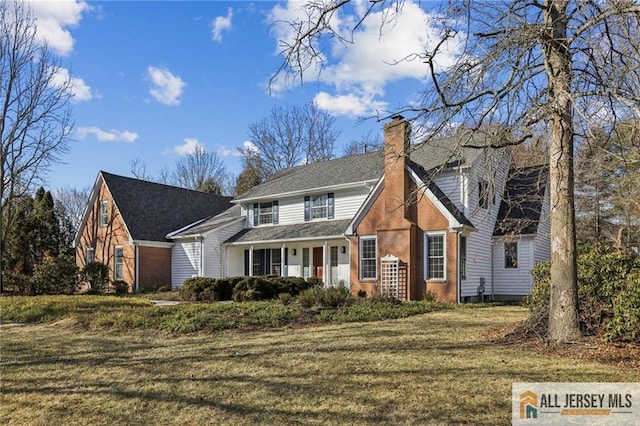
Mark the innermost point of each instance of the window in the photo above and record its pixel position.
(483, 194)
(276, 262)
(368, 259)
(435, 257)
(333, 256)
(305, 263)
(511, 255)
(104, 213)
(463, 258)
(265, 213)
(90, 255)
(319, 206)
(118, 264)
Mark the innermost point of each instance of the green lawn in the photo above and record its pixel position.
(433, 368)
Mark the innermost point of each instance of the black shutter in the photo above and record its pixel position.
(307, 208)
(255, 213)
(330, 204)
(246, 263)
(275, 212)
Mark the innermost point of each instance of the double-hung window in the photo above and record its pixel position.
(118, 264)
(511, 255)
(435, 256)
(319, 206)
(104, 213)
(90, 255)
(265, 213)
(368, 260)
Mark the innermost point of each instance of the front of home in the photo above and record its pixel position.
(399, 222)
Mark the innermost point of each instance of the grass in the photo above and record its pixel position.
(427, 369)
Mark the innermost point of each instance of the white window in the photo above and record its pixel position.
(306, 267)
(90, 255)
(104, 213)
(265, 213)
(276, 262)
(435, 256)
(118, 264)
(319, 206)
(463, 258)
(368, 260)
(511, 255)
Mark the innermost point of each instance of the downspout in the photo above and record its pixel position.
(493, 296)
(458, 272)
(136, 284)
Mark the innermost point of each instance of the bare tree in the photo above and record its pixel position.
(524, 68)
(202, 171)
(70, 203)
(368, 142)
(138, 169)
(34, 105)
(288, 137)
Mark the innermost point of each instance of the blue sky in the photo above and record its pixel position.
(152, 80)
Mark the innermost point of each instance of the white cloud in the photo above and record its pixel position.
(359, 72)
(166, 88)
(250, 147)
(78, 88)
(188, 147)
(220, 24)
(350, 105)
(53, 18)
(223, 151)
(107, 135)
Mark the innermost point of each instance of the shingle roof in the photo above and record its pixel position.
(309, 230)
(357, 168)
(152, 210)
(522, 202)
(198, 228)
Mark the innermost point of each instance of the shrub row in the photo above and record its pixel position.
(241, 289)
(608, 292)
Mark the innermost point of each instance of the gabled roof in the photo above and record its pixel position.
(300, 231)
(356, 169)
(151, 210)
(521, 205)
(208, 224)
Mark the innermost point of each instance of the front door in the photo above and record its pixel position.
(318, 263)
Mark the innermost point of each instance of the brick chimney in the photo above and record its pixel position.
(396, 153)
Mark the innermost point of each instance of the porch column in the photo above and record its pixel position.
(325, 268)
(251, 261)
(283, 268)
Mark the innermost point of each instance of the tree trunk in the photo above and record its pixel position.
(563, 306)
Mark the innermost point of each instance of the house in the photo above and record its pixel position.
(409, 219)
(125, 224)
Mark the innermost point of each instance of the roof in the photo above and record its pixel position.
(306, 231)
(152, 210)
(210, 223)
(521, 205)
(357, 168)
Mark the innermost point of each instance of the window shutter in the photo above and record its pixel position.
(426, 256)
(330, 204)
(246, 263)
(307, 208)
(275, 212)
(255, 213)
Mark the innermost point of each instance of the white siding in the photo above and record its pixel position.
(513, 281)
(291, 209)
(185, 261)
(492, 166)
(451, 183)
(542, 241)
(213, 250)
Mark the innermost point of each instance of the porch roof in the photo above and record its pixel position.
(295, 232)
